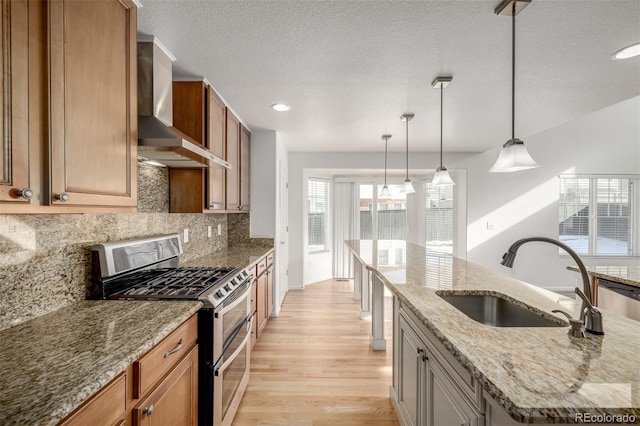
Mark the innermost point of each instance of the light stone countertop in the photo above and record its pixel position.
(538, 375)
(621, 274)
(51, 364)
(242, 256)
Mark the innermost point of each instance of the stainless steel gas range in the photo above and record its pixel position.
(147, 269)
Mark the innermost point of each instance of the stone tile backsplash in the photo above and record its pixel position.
(45, 260)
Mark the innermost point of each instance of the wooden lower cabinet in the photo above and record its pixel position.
(175, 400)
(269, 291)
(160, 388)
(107, 407)
(261, 309)
(425, 392)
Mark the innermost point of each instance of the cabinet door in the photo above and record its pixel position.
(189, 103)
(216, 143)
(93, 110)
(233, 158)
(245, 169)
(175, 400)
(445, 404)
(411, 368)
(269, 291)
(14, 108)
(261, 311)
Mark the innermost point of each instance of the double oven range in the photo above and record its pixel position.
(147, 269)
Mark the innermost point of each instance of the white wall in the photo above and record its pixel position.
(525, 203)
(264, 183)
(301, 161)
(269, 158)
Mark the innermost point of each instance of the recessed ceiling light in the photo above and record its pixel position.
(281, 107)
(627, 52)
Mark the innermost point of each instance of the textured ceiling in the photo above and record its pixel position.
(349, 69)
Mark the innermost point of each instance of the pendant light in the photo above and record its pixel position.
(407, 186)
(513, 156)
(441, 177)
(384, 193)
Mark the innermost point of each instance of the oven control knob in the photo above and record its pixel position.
(219, 294)
(227, 287)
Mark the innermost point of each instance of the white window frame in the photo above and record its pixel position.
(327, 227)
(593, 215)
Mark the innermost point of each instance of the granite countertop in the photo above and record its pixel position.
(243, 256)
(621, 274)
(539, 375)
(51, 364)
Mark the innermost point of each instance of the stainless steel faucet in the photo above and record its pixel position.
(590, 316)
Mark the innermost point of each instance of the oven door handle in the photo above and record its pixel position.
(221, 366)
(237, 330)
(220, 310)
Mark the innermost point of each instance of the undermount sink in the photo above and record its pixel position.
(497, 311)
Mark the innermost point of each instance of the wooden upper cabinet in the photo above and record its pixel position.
(216, 144)
(233, 157)
(93, 109)
(14, 108)
(200, 114)
(245, 168)
(189, 99)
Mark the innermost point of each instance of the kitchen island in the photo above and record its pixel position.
(51, 364)
(505, 374)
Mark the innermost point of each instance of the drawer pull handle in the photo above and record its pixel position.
(174, 350)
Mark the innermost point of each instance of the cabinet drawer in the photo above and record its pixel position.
(106, 407)
(148, 370)
(261, 266)
(270, 259)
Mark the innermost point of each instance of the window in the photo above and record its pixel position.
(596, 214)
(438, 217)
(318, 199)
(390, 214)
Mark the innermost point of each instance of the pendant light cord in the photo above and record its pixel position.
(386, 142)
(407, 133)
(441, 95)
(513, 72)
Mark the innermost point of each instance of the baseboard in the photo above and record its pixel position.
(400, 415)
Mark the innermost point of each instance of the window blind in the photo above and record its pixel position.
(596, 215)
(438, 217)
(318, 198)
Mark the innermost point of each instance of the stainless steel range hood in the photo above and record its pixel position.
(158, 140)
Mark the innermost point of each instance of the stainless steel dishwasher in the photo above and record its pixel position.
(623, 299)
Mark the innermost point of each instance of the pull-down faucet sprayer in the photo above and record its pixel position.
(589, 315)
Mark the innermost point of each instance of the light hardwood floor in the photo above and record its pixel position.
(313, 364)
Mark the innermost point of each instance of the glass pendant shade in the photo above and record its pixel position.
(442, 178)
(385, 193)
(513, 157)
(407, 187)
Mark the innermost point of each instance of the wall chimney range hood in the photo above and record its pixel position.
(158, 140)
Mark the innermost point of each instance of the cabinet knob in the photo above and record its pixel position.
(148, 410)
(63, 197)
(25, 193)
